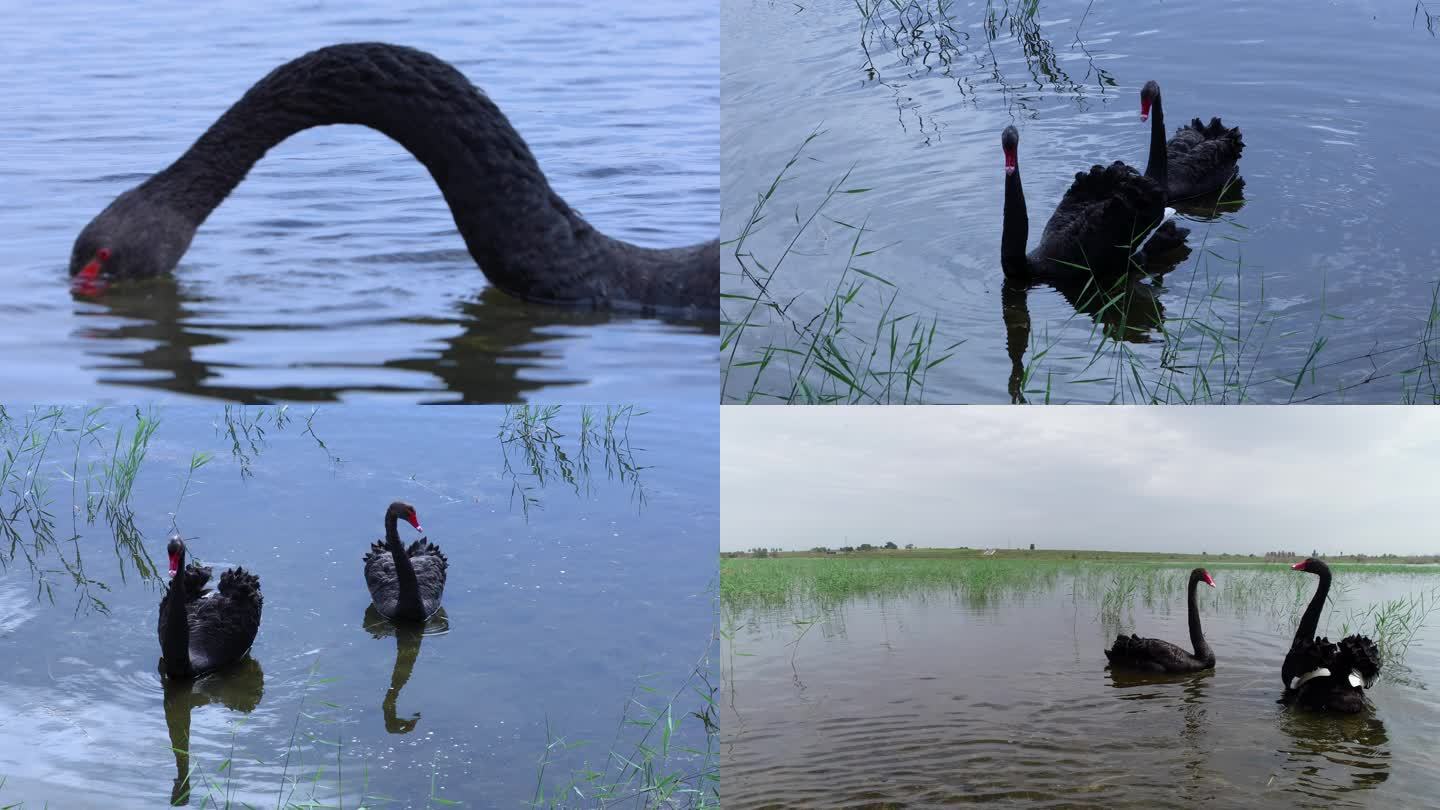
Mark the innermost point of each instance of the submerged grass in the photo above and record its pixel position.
(651, 770)
(856, 349)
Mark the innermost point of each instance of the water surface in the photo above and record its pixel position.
(1333, 243)
(945, 698)
(335, 270)
(550, 621)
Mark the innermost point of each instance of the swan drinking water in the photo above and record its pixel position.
(525, 238)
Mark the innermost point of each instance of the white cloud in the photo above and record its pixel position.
(1249, 479)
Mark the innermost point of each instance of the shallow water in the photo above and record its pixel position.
(335, 270)
(935, 699)
(1333, 240)
(548, 623)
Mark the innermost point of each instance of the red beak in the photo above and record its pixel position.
(174, 564)
(1300, 566)
(1144, 109)
(88, 281)
(1010, 162)
(414, 519)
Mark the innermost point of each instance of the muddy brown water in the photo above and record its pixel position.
(935, 700)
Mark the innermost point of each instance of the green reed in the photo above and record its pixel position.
(1113, 581)
(534, 435)
(105, 459)
(650, 770)
(856, 349)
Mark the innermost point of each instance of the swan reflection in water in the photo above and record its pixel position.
(1125, 308)
(1333, 753)
(408, 636)
(157, 334)
(238, 688)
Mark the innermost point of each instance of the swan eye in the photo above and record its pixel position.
(103, 254)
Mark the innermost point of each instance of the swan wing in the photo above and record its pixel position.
(430, 568)
(380, 578)
(1359, 655)
(224, 624)
(1202, 157)
(1102, 218)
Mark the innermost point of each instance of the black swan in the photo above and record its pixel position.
(1153, 655)
(1198, 161)
(203, 630)
(1319, 674)
(1095, 230)
(405, 583)
(526, 239)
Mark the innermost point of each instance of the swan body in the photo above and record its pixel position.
(1322, 675)
(1198, 161)
(202, 630)
(405, 583)
(1095, 230)
(524, 237)
(1153, 655)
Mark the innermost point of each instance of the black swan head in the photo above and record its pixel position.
(399, 510)
(1149, 94)
(175, 550)
(1203, 576)
(135, 237)
(1311, 565)
(1010, 142)
(525, 238)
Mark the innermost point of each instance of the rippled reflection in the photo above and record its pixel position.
(238, 688)
(157, 334)
(1331, 755)
(407, 648)
(1125, 308)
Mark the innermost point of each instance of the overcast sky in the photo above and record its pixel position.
(1341, 479)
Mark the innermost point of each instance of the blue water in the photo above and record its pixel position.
(553, 620)
(334, 270)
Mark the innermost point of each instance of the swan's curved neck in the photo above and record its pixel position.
(526, 239)
(175, 645)
(1015, 232)
(1310, 620)
(1197, 636)
(409, 596)
(1156, 167)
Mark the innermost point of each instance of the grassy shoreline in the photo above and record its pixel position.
(1092, 555)
(811, 586)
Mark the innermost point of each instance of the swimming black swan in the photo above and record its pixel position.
(1199, 160)
(1319, 674)
(405, 584)
(526, 239)
(1096, 228)
(1153, 655)
(202, 630)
